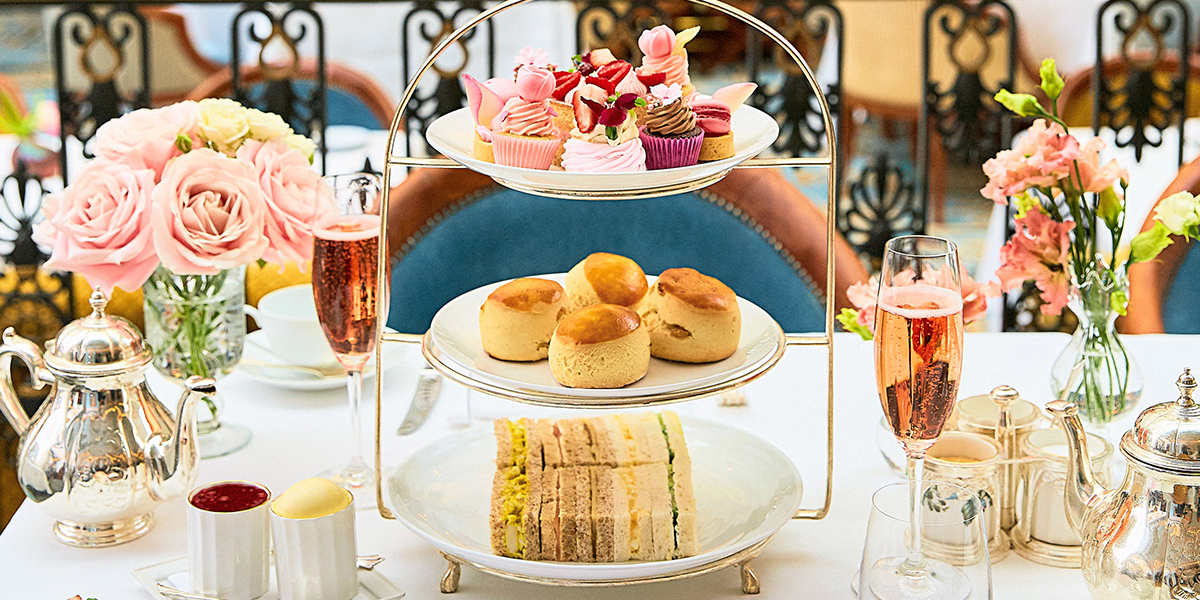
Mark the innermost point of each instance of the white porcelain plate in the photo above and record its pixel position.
(278, 373)
(372, 585)
(746, 489)
(453, 343)
(453, 135)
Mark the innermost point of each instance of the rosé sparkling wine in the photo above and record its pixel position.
(918, 358)
(345, 284)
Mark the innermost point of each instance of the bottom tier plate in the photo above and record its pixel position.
(746, 490)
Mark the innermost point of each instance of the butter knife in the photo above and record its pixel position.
(429, 387)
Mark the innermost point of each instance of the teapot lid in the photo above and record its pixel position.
(99, 343)
(1167, 435)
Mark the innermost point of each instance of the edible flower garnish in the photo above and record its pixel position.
(667, 94)
(613, 112)
(532, 56)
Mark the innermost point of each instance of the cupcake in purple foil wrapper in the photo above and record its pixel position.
(670, 134)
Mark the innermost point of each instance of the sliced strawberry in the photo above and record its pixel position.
(614, 71)
(652, 79)
(585, 117)
(605, 84)
(564, 82)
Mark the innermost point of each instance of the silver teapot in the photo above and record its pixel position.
(1142, 539)
(102, 452)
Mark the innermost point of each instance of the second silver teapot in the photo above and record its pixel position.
(102, 452)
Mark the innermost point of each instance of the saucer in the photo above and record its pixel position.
(371, 584)
(287, 376)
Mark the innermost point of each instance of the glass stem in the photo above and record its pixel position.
(358, 466)
(915, 568)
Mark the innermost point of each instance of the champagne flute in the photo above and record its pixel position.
(345, 284)
(918, 360)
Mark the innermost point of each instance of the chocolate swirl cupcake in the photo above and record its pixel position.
(671, 136)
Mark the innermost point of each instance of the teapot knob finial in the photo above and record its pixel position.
(1004, 395)
(1186, 385)
(98, 302)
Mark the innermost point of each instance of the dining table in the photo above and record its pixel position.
(299, 434)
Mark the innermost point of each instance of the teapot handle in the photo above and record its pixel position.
(29, 353)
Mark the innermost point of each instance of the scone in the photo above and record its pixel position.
(601, 346)
(691, 317)
(604, 278)
(518, 318)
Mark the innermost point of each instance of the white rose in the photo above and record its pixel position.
(303, 144)
(265, 127)
(223, 123)
(1177, 212)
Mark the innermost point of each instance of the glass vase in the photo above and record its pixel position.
(1109, 383)
(196, 325)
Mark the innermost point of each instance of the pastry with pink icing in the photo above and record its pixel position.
(663, 52)
(714, 115)
(526, 136)
(486, 101)
(605, 138)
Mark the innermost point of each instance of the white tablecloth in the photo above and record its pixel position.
(298, 434)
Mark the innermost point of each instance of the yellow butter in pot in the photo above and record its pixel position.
(311, 499)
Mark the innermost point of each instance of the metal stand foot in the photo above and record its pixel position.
(749, 579)
(450, 577)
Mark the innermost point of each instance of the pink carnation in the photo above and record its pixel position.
(1043, 155)
(1039, 250)
(1092, 176)
(208, 214)
(146, 138)
(99, 226)
(295, 195)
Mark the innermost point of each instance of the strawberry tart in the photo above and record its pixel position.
(605, 138)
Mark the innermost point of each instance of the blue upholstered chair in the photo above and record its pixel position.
(1164, 294)
(452, 231)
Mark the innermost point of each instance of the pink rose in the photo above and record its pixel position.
(146, 138)
(99, 226)
(534, 84)
(296, 198)
(1043, 155)
(1094, 178)
(1039, 250)
(657, 42)
(209, 214)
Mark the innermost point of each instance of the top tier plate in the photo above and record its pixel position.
(452, 345)
(753, 131)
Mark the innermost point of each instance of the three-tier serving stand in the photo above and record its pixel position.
(565, 397)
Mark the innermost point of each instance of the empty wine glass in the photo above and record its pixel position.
(954, 545)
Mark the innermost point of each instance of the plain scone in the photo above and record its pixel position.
(691, 317)
(518, 318)
(601, 346)
(604, 278)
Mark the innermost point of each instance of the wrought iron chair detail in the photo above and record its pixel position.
(300, 104)
(1138, 90)
(427, 24)
(882, 203)
(102, 84)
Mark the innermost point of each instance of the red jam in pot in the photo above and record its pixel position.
(229, 497)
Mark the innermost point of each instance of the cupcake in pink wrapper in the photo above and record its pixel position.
(670, 134)
(526, 136)
(663, 52)
(486, 101)
(605, 138)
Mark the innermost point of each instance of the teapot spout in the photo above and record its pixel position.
(1081, 488)
(174, 462)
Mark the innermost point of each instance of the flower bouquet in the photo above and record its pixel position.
(178, 201)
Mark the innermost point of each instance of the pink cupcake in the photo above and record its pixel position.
(526, 136)
(663, 52)
(670, 135)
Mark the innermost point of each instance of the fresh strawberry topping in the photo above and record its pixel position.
(614, 71)
(604, 84)
(564, 82)
(652, 79)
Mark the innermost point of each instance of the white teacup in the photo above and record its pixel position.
(288, 316)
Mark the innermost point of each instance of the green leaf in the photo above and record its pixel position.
(639, 102)
(1024, 105)
(261, 263)
(1052, 82)
(1146, 245)
(610, 133)
(1120, 300)
(1110, 208)
(184, 143)
(849, 320)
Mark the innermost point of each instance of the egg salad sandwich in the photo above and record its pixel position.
(599, 489)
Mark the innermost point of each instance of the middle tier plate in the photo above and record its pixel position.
(452, 345)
